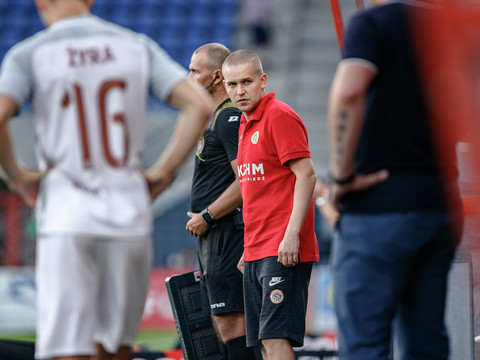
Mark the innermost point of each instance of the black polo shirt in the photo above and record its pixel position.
(216, 149)
(397, 134)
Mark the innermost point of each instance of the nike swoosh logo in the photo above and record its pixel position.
(274, 282)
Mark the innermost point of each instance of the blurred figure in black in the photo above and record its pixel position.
(396, 235)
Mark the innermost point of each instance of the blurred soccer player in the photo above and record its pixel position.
(216, 217)
(396, 236)
(88, 80)
(277, 179)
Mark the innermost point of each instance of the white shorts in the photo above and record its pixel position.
(89, 291)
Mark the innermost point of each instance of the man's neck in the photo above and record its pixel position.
(66, 9)
(219, 97)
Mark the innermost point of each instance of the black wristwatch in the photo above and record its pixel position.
(346, 180)
(207, 216)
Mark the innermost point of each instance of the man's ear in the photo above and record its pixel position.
(263, 80)
(218, 76)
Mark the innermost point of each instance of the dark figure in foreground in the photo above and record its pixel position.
(399, 203)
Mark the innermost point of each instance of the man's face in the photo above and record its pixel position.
(244, 86)
(200, 71)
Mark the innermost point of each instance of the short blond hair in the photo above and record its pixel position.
(243, 57)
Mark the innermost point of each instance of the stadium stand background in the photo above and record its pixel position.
(304, 52)
(179, 26)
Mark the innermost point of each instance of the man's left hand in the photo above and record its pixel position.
(288, 250)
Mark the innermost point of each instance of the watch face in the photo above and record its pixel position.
(207, 216)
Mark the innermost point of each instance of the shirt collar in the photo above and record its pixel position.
(82, 20)
(227, 101)
(258, 112)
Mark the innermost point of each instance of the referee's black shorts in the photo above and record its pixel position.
(221, 283)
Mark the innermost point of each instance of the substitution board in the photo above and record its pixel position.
(194, 326)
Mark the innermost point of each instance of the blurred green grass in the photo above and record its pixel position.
(26, 337)
(157, 340)
(152, 340)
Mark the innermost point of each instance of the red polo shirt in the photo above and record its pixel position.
(274, 135)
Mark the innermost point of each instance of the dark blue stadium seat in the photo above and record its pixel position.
(173, 21)
(104, 9)
(228, 4)
(180, 26)
(202, 21)
(149, 25)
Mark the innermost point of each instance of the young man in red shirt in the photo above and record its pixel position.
(277, 179)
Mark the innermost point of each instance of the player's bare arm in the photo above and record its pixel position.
(8, 161)
(25, 182)
(195, 109)
(228, 201)
(346, 116)
(302, 199)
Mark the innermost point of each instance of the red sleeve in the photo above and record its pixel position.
(290, 137)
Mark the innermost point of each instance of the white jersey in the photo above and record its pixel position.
(88, 80)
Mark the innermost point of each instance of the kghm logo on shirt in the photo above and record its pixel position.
(251, 172)
(250, 169)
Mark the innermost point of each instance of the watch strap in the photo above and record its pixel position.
(344, 181)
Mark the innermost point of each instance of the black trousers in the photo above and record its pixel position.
(17, 350)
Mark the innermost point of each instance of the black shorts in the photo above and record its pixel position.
(221, 283)
(275, 300)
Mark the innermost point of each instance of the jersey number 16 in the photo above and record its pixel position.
(118, 118)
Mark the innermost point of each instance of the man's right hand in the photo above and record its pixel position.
(27, 186)
(241, 264)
